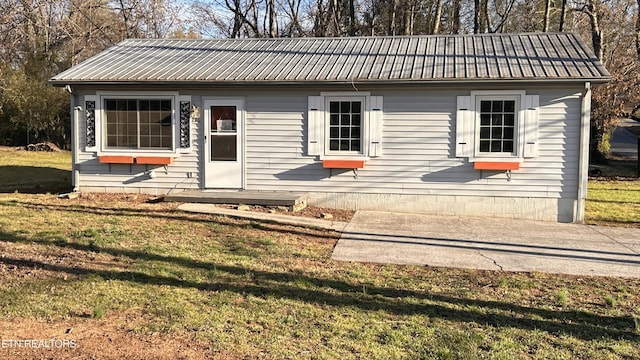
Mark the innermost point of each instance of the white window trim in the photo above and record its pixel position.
(100, 124)
(476, 97)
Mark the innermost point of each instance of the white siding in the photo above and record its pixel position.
(182, 174)
(418, 150)
(418, 143)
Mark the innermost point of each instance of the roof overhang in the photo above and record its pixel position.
(266, 83)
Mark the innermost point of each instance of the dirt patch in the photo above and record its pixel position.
(309, 212)
(112, 337)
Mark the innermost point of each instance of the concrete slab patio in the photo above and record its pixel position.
(471, 242)
(490, 244)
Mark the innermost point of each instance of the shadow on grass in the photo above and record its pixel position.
(173, 215)
(34, 179)
(339, 293)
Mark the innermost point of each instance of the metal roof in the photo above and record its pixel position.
(435, 58)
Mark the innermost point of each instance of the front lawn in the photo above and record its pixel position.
(126, 278)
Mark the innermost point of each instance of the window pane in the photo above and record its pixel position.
(110, 105)
(144, 105)
(223, 148)
(507, 146)
(509, 119)
(345, 125)
(223, 118)
(485, 106)
(508, 133)
(497, 121)
(485, 132)
(136, 124)
(509, 106)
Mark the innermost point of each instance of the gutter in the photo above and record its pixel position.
(407, 82)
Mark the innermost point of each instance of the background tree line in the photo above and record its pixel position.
(39, 39)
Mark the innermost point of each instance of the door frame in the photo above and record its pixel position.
(205, 137)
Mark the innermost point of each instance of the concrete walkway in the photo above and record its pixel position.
(490, 243)
(472, 243)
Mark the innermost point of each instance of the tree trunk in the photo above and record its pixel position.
(320, 24)
(637, 39)
(596, 32)
(547, 11)
(392, 17)
(335, 16)
(455, 29)
(294, 7)
(438, 15)
(476, 17)
(409, 12)
(352, 18)
(563, 14)
(272, 19)
(487, 16)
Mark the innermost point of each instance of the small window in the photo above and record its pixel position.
(138, 124)
(497, 126)
(345, 126)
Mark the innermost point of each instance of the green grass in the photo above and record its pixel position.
(251, 290)
(613, 201)
(27, 171)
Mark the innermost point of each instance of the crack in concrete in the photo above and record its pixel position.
(493, 260)
(614, 240)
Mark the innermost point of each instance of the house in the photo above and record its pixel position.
(492, 124)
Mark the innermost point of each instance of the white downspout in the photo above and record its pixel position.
(75, 148)
(583, 169)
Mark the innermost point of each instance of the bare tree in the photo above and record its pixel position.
(437, 17)
(563, 14)
(477, 20)
(547, 12)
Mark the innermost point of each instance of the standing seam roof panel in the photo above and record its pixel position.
(540, 56)
(278, 61)
(561, 63)
(573, 47)
(218, 65)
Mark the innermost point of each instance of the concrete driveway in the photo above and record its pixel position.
(490, 243)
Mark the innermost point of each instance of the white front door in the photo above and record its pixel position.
(224, 121)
